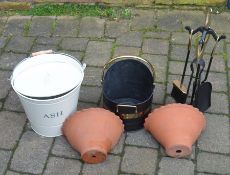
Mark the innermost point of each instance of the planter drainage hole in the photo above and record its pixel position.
(178, 151)
(94, 156)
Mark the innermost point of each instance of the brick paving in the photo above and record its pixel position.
(156, 35)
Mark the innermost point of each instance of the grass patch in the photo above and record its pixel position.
(113, 49)
(73, 10)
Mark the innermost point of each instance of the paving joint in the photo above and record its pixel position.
(167, 68)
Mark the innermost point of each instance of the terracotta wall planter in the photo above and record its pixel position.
(176, 127)
(93, 132)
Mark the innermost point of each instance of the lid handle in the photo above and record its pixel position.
(41, 52)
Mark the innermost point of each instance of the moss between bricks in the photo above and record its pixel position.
(27, 28)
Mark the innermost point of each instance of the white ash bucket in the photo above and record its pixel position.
(48, 86)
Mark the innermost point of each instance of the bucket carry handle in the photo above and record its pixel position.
(41, 52)
(53, 52)
(110, 62)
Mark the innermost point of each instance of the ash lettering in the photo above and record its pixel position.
(54, 115)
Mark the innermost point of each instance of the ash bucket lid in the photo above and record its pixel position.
(47, 75)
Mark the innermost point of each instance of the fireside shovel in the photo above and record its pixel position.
(204, 91)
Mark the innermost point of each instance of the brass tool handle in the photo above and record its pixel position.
(201, 48)
(110, 62)
(208, 17)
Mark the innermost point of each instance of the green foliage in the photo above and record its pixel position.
(73, 10)
(126, 13)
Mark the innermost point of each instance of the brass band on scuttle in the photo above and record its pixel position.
(134, 115)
